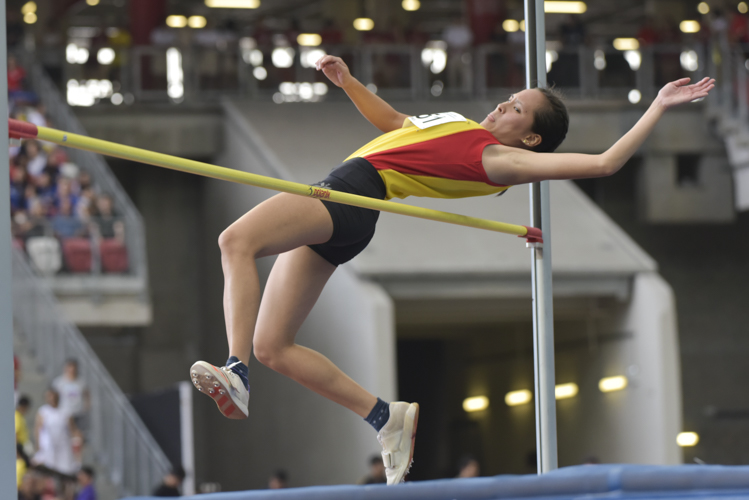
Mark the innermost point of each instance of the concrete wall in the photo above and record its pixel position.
(289, 427)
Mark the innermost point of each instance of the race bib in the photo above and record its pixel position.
(426, 121)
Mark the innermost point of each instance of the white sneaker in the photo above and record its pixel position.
(397, 438)
(224, 387)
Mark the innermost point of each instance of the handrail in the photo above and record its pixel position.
(19, 129)
(121, 442)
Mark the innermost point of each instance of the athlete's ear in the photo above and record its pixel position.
(532, 140)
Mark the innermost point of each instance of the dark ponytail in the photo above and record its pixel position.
(551, 122)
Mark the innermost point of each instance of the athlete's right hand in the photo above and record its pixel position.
(335, 69)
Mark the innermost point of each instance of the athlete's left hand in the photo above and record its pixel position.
(679, 92)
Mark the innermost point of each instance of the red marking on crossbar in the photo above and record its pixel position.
(534, 235)
(21, 130)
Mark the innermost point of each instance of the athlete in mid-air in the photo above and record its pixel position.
(442, 155)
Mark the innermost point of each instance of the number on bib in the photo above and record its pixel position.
(426, 121)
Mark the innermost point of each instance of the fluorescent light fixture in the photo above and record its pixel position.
(175, 87)
(689, 26)
(522, 25)
(282, 57)
(556, 7)
(633, 58)
(29, 18)
(105, 55)
(687, 439)
(689, 60)
(233, 4)
(411, 5)
(476, 403)
(610, 384)
(176, 21)
(92, 2)
(308, 39)
(510, 25)
(634, 96)
(521, 397)
(197, 22)
(564, 391)
(703, 8)
(743, 7)
(260, 73)
(28, 7)
(626, 44)
(363, 24)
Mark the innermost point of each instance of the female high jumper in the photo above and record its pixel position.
(442, 155)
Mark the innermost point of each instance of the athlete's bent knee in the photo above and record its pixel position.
(269, 355)
(233, 243)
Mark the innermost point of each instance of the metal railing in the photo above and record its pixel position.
(399, 71)
(63, 117)
(122, 444)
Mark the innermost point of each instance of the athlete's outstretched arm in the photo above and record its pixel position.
(378, 112)
(505, 165)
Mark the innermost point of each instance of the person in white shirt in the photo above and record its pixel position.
(54, 431)
(74, 397)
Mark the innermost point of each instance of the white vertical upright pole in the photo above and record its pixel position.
(543, 313)
(7, 406)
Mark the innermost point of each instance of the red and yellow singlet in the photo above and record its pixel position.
(436, 156)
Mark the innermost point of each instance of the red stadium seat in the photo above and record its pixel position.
(113, 256)
(76, 252)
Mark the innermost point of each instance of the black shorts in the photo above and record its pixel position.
(353, 227)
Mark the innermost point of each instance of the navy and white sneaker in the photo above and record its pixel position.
(397, 438)
(223, 386)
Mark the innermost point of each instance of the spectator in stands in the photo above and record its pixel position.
(29, 488)
(22, 430)
(16, 75)
(170, 486)
(17, 188)
(22, 465)
(34, 223)
(278, 480)
(74, 396)
(86, 489)
(66, 224)
(110, 226)
(376, 473)
(46, 190)
(468, 466)
(37, 160)
(65, 191)
(54, 430)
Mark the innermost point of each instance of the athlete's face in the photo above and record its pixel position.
(511, 121)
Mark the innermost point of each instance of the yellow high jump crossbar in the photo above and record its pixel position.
(24, 130)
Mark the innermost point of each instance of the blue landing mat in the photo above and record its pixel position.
(639, 482)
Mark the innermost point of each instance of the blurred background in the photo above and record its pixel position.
(117, 276)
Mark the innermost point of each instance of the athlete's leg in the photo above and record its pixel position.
(277, 225)
(294, 285)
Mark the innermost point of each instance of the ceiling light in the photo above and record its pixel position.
(689, 26)
(411, 5)
(510, 25)
(521, 397)
(28, 7)
(703, 8)
(522, 25)
(176, 21)
(92, 2)
(309, 39)
(556, 7)
(196, 22)
(564, 391)
(233, 4)
(363, 24)
(29, 18)
(105, 55)
(687, 439)
(743, 7)
(610, 384)
(634, 96)
(476, 403)
(626, 44)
